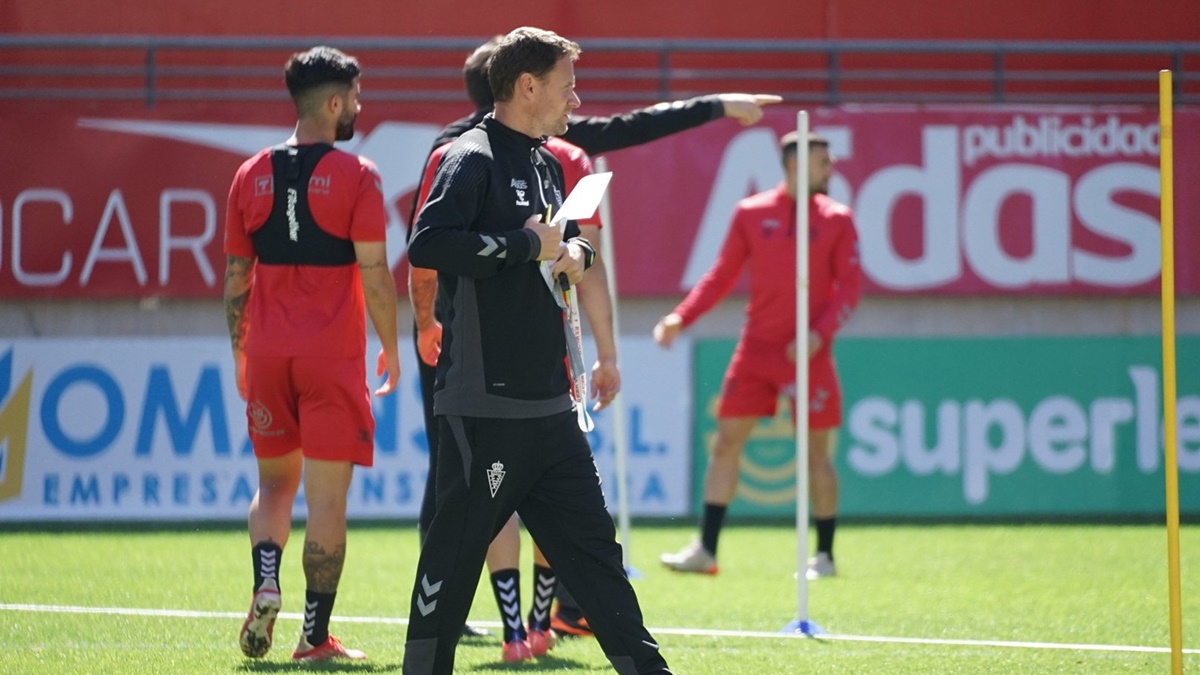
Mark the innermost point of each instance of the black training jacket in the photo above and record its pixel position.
(503, 345)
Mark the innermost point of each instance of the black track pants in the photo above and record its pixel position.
(542, 468)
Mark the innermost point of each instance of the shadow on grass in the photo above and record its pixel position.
(334, 666)
(546, 662)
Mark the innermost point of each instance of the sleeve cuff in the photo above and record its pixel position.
(524, 245)
(716, 107)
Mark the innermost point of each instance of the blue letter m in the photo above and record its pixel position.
(160, 397)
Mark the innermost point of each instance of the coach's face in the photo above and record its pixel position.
(555, 98)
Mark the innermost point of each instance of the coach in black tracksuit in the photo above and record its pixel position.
(508, 436)
(595, 135)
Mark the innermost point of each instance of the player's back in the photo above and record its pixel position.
(306, 304)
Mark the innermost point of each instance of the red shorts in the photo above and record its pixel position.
(320, 405)
(753, 384)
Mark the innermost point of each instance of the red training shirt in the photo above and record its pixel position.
(763, 235)
(307, 310)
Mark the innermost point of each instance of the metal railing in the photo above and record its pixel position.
(819, 72)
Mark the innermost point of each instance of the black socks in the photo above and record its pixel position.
(710, 526)
(543, 595)
(506, 585)
(825, 528)
(317, 609)
(266, 557)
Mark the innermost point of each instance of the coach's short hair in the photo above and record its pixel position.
(791, 140)
(526, 50)
(308, 73)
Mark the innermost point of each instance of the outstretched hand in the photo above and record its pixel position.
(747, 108)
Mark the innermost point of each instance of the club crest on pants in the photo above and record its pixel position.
(495, 476)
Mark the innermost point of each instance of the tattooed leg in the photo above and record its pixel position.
(325, 487)
(323, 567)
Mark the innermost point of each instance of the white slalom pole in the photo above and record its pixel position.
(620, 438)
(802, 624)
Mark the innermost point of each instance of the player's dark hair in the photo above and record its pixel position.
(526, 50)
(791, 140)
(309, 73)
(475, 74)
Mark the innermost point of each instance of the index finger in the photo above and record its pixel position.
(767, 99)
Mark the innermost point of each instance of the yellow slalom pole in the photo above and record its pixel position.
(1167, 198)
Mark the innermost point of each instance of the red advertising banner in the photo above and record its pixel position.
(947, 200)
(121, 201)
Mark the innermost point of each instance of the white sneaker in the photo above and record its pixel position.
(692, 558)
(820, 565)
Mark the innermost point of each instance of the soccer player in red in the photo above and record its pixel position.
(307, 261)
(762, 237)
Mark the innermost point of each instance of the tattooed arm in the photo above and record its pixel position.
(379, 292)
(239, 280)
(422, 293)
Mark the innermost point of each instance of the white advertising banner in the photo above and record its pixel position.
(153, 429)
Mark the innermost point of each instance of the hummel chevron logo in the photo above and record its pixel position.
(542, 600)
(269, 566)
(490, 247)
(495, 477)
(507, 585)
(310, 617)
(429, 590)
(425, 609)
(509, 596)
(514, 622)
(545, 586)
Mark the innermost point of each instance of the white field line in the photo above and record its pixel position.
(693, 632)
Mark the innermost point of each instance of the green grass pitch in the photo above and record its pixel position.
(1079, 594)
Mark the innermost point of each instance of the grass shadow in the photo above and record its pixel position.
(333, 666)
(546, 662)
